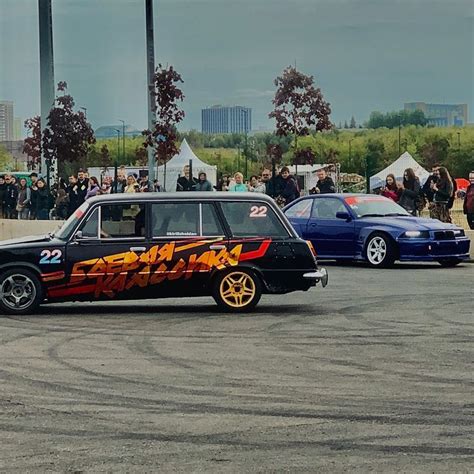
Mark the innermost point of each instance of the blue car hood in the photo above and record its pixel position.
(407, 223)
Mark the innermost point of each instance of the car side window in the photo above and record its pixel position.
(170, 219)
(326, 208)
(90, 228)
(300, 210)
(185, 219)
(211, 226)
(252, 219)
(122, 220)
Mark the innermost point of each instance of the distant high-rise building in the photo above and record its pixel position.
(17, 128)
(6, 120)
(441, 115)
(220, 119)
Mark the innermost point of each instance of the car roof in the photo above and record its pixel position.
(181, 196)
(338, 195)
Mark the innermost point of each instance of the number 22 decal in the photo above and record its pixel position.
(256, 211)
(50, 257)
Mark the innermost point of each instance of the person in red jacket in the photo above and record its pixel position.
(391, 189)
(468, 206)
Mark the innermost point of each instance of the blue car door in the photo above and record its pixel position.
(299, 214)
(331, 236)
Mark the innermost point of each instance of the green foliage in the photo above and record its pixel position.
(380, 147)
(394, 119)
(6, 160)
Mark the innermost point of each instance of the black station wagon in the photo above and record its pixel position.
(232, 246)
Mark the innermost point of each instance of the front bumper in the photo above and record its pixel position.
(434, 249)
(320, 275)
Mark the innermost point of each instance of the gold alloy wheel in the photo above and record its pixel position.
(237, 289)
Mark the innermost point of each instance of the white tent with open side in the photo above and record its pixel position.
(174, 168)
(397, 168)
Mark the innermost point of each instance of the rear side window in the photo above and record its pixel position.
(252, 219)
(188, 219)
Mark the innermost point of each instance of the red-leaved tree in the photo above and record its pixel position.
(299, 106)
(32, 144)
(68, 135)
(166, 92)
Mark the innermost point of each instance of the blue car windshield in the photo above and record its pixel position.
(374, 206)
(65, 231)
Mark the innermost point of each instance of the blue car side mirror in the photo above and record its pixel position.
(343, 215)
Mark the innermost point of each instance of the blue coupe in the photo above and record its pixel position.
(374, 228)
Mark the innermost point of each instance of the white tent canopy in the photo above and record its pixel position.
(397, 168)
(174, 168)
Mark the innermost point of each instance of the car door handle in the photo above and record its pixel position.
(218, 247)
(137, 249)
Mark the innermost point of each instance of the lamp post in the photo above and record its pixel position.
(123, 138)
(350, 151)
(399, 133)
(459, 140)
(245, 111)
(85, 116)
(116, 160)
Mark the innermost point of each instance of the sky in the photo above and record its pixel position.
(364, 54)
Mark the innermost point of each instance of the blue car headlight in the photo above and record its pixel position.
(415, 234)
(459, 233)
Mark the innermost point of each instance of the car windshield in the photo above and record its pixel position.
(375, 206)
(65, 231)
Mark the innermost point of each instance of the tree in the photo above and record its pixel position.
(353, 122)
(345, 124)
(32, 145)
(395, 119)
(67, 135)
(105, 158)
(5, 158)
(298, 106)
(304, 156)
(166, 93)
(141, 156)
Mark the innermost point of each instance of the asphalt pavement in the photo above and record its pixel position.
(373, 373)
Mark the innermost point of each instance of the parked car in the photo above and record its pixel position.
(132, 246)
(375, 229)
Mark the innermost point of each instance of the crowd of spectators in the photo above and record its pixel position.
(32, 199)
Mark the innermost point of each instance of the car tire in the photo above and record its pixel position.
(449, 262)
(380, 250)
(237, 290)
(20, 291)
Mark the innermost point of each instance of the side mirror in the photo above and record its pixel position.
(343, 215)
(78, 235)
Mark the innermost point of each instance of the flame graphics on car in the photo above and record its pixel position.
(170, 261)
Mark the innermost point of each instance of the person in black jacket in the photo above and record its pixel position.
(3, 188)
(410, 191)
(43, 201)
(82, 186)
(186, 182)
(443, 190)
(325, 184)
(286, 187)
(432, 178)
(33, 194)
(10, 197)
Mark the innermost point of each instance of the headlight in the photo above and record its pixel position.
(459, 233)
(416, 234)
